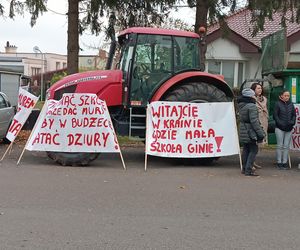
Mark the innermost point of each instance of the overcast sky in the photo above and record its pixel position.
(49, 33)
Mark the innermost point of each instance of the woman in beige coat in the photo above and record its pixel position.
(263, 114)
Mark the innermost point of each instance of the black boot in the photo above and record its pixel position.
(280, 166)
(251, 174)
(285, 166)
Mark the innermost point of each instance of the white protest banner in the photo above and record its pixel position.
(295, 142)
(191, 130)
(75, 123)
(26, 102)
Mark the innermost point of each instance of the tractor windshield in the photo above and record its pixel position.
(148, 60)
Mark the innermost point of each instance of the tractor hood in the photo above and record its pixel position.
(107, 84)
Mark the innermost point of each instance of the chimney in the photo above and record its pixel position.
(10, 48)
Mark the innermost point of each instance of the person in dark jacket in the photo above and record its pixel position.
(251, 131)
(285, 119)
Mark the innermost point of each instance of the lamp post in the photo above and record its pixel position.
(36, 49)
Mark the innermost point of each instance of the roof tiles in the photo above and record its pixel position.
(240, 22)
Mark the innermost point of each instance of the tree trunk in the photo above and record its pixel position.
(201, 21)
(201, 14)
(73, 36)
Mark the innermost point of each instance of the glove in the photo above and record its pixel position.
(260, 139)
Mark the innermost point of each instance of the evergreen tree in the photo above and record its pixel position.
(33, 7)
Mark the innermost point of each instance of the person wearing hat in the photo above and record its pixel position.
(250, 131)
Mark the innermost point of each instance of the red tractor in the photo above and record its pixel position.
(155, 65)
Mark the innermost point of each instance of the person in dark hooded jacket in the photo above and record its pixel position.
(251, 131)
(285, 119)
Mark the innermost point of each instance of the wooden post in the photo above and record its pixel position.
(10, 145)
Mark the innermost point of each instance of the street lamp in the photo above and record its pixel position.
(36, 49)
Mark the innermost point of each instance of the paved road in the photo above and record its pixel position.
(171, 206)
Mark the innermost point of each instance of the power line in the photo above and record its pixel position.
(55, 12)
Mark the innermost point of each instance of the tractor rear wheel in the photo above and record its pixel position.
(197, 92)
(72, 159)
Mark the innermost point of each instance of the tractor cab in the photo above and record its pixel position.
(151, 56)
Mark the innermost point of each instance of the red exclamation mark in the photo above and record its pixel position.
(219, 140)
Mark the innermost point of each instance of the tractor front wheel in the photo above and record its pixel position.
(72, 159)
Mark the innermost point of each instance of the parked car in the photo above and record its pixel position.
(7, 113)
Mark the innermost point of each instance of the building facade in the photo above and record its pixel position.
(236, 54)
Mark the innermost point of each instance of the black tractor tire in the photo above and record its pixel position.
(197, 92)
(72, 159)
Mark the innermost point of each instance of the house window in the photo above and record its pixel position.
(240, 73)
(214, 67)
(232, 71)
(228, 72)
(57, 65)
(35, 71)
(64, 65)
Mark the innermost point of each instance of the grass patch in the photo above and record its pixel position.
(270, 146)
(126, 141)
(39, 105)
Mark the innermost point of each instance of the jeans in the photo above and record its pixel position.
(248, 156)
(283, 139)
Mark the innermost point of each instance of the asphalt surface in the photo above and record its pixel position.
(171, 206)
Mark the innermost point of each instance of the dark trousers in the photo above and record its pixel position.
(248, 156)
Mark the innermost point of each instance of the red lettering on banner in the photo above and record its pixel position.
(105, 137)
(110, 125)
(86, 100)
(91, 122)
(62, 123)
(199, 134)
(25, 101)
(200, 148)
(46, 138)
(166, 148)
(97, 139)
(180, 123)
(296, 130)
(92, 111)
(48, 123)
(156, 124)
(180, 111)
(15, 127)
(164, 134)
(70, 111)
(62, 111)
(296, 141)
(67, 100)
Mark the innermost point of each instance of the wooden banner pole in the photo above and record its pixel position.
(113, 129)
(146, 158)
(146, 155)
(10, 148)
(21, 155)
(29, 138)
(237, 141)
(122, 160)
(10, 145)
